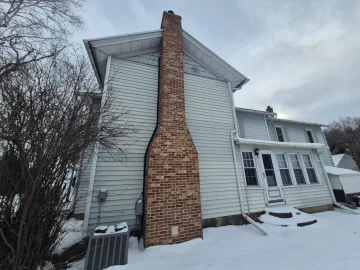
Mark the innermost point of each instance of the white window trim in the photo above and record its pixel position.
(282, 131)
(292, 176)
(258, 186)
(301, 166)
(312, 134)
(314, 167)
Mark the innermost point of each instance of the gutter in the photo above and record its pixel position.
(331, 191)
(240, 85)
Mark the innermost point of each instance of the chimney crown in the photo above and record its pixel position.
(269, 109)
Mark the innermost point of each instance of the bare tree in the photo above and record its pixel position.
(343, 136)
(31, 30)
(50, 112)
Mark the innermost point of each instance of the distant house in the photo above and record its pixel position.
(344, 161)
(197, 161)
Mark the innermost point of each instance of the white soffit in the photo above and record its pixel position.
(120, 46)
(140, 43)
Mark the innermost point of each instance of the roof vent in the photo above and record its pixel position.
(170, 11)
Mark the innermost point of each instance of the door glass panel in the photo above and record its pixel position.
(269, 170)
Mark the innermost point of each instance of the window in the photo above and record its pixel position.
(310, 136)
(280, 134)
(310, 169)
(250, 170)
(284, 170)
(299, 175)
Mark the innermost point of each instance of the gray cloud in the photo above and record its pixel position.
(302, 57)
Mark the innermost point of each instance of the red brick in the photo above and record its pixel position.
(172, 191)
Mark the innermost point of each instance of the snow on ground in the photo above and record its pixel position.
(331, 244)
(79, 265)
(72, 234)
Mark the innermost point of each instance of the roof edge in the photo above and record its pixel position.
(278, 119)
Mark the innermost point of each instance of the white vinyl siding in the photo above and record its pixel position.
(210, 120)
(252, 126)
(135, 87)
(307, 195)
(297, 133)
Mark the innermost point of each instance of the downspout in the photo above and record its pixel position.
(267, 128)
(147, 150)
(246, 217)
(77, 175)
(330, 189)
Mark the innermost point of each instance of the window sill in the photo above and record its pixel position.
(305, 185)
(254, 188)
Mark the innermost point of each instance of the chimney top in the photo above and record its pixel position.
(269, 109)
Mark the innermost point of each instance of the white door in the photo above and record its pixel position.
(272, 178)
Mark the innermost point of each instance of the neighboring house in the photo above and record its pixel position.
(344, 161)
(197, 160)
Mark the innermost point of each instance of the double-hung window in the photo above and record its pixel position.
(310, 169)
(299, 175)
(280, 134)
(250, 169)
(284, 169)
(310, 136)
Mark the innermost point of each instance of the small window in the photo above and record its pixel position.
(280, 134)
(250, 170)
(310, 136)
(310, 169)
(284, 170)
(299, 175)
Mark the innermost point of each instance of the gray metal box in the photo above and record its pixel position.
(107, 250)
(139, 207)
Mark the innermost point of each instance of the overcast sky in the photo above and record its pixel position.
(302, 57)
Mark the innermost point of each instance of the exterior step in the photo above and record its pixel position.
(281, 215)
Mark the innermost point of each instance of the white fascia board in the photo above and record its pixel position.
(104, 41)
(281, 144)
(92, 60)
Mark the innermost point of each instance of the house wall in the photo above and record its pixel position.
(135, 88)
(347, 163)
(301, 196)
(335, 181)
(210, 120)
(208, 115)
(252, 126)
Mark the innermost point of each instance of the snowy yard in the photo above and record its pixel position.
(332, 243)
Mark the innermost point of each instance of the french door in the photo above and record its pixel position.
(271, 178)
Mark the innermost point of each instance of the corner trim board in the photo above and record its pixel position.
(94, 162)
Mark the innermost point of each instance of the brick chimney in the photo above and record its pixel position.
(269, 109)
(172, 187)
